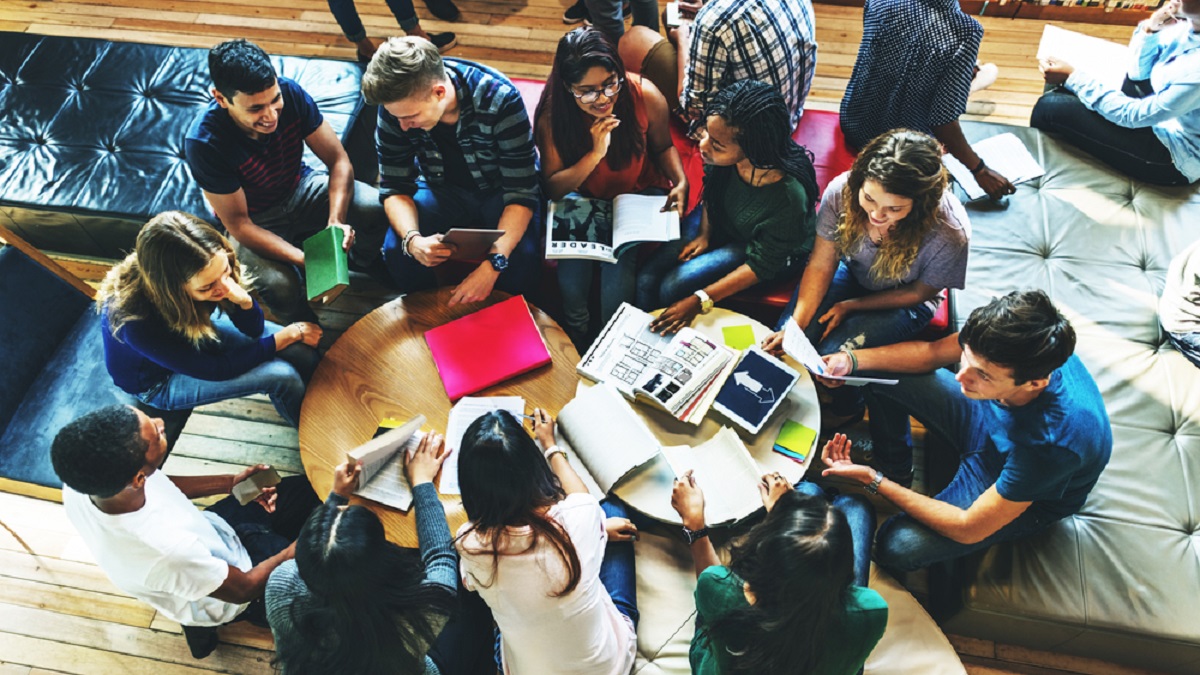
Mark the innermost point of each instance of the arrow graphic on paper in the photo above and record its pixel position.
(764, 395)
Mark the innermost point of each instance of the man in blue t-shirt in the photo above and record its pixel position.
(246, 152)
(1023, 412)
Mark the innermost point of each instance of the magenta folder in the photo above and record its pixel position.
(487, 347)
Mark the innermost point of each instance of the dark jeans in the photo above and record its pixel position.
(936, 400)
(443, 207)
(1135, 152)
(266, 534)
(347, 17)
(860, 516)
(609, 16)
(462, 648)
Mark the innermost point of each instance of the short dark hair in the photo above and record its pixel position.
(99, 453)
(1023, 331)
(238, 65)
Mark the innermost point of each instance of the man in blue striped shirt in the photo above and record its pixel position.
(772, 41)
(455, 150)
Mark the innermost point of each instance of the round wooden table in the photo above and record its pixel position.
(381, 367)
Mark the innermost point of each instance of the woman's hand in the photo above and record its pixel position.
(620, 529)
(236, 294)
(688, 501)
(1163, 16)
(310, 333)
(772, 487)
(345, 478)
(835, 316)
(837, 363)
(425, 461)
(677, 199)
(602, 130)
(694, 248)
(676, 316)
(1055, 70)
(836, 456)
(543, 428)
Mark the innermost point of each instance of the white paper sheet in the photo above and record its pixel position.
(797, 346)
(607, 436)
(467, 410)
(389, 485)
(1104, 60)
(1005, 154)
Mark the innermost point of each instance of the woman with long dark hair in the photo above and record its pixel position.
(793, 598)
(890, 236)
(757, 218)
(603, 133)
(544, 554)
(353, 602)
(181, 330)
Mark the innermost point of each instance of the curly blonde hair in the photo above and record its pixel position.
(906, 163)
(170, 250)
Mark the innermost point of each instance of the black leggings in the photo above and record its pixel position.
(1135, 152)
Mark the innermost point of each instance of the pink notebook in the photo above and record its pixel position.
(487, 347)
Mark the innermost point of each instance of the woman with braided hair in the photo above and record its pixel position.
(890, 236)
(757, 220)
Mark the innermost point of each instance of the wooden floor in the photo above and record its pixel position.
(58, 612)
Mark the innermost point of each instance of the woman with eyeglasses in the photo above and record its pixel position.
(602, 133)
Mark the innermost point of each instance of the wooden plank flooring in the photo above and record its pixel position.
(58, 612)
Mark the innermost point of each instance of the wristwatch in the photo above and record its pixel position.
(873, 486)
(693, 536)
(706, 303)
(499, 261)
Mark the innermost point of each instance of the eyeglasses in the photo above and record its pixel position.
(609, 91)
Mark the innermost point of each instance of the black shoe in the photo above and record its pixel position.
(201, 640)
(576, 13)
(443, 41)
(445, 10)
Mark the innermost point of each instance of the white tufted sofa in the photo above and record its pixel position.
(1120, 581)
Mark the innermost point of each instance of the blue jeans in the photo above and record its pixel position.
(346, 15)
(857, 331)
(860, 516)
(903, 544)
(441, 208)
(283, 378)
(1188, 344)
(609, 16)
(617, 572)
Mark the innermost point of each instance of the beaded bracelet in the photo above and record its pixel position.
(412, 234)
(853, 361)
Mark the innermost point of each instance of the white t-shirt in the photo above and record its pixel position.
(1179, 308)
(168, 553)
(580, 633)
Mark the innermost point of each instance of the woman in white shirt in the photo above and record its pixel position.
(543, 553)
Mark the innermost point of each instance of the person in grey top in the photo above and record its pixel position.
(890, 237)
(352, 602)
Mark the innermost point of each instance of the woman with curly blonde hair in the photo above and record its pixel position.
(180, 330)
(890, 236)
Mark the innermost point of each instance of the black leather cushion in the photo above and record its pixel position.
(91, 134)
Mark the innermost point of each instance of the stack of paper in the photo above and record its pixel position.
(382, 477)
(797, 345)
(1005, 154)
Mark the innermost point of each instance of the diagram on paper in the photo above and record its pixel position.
(639, 354)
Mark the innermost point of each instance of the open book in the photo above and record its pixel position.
(678, 373)
(612, 443)
(797, 345)
(1104, 60)
(597, 229)
(382, 478)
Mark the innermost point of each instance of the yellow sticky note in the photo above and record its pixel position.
(738, 337)
(796, 437)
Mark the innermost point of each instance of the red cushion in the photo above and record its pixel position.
(820, 132)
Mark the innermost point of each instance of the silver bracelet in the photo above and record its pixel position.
(412, 234)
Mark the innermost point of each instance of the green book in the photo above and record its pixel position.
(326, 269)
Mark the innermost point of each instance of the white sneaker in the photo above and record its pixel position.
(985, 76)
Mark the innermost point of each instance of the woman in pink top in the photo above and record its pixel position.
(543, 554)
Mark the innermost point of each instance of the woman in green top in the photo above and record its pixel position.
(757, 221)
(793, 598)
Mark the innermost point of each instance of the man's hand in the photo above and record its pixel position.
(835, 316)
(837, 363)
(688, 501)
(620, 529)
(676, 316)
(836, 456)
(1055, 70)
(602, 129)
(694, 248)
(772, 487)
(677, 199)
(268, 496)
(477, 286)
(345, 478)
(236, 294)
(347, 235)
(429, 251)
(425, 461)
(543, 428)
(994, 184)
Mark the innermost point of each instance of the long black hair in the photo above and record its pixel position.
(370, 611)
(579, 51)
(763, 129)
(799, 565)
(506, 482)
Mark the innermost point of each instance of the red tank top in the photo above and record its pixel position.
(605, 182)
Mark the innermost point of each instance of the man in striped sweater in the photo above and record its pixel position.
(455, 150)
(246, 152)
